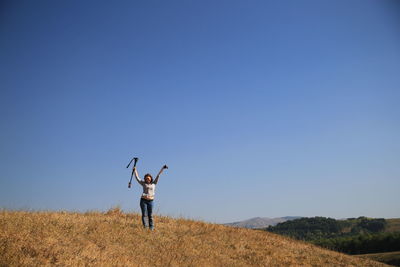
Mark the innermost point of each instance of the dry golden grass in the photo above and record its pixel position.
(118, 239)
(393, 225)
(392, 258)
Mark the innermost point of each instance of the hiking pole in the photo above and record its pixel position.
(133, 169)
(130, 162)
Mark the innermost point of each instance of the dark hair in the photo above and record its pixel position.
(148, 175)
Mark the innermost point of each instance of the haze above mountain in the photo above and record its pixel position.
(261, 222)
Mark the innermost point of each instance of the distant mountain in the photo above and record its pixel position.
(261, 222)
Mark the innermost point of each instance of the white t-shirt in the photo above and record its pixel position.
(148, 190)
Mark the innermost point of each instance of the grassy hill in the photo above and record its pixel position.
(393, 225)
(392, 258)
(117, 239)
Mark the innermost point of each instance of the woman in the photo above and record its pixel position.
(147, 198)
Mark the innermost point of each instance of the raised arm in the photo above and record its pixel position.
(159, 173)
(137, 176)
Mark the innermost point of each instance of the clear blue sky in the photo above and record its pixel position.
(260, 108)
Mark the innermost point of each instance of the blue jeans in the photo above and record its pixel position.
(147, 209)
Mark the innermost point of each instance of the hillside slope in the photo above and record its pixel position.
(115, 238)
(393, 225)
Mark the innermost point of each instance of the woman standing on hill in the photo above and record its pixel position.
(147, 198)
